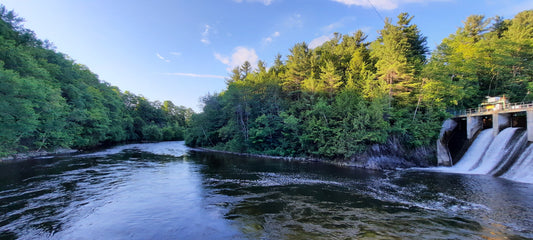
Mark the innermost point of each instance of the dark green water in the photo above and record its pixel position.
(165, 191)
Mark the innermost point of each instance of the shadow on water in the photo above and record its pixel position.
(38, 194)
(280, 199)
(129, 193)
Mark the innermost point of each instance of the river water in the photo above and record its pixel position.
(166, 191)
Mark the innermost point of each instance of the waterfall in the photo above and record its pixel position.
(522, 170)
(476, 151)
(505, 155)
(497, 151)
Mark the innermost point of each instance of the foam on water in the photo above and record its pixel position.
(504, 155)
(475, 152)
(495, 152)
(522, 170)
(172, 148)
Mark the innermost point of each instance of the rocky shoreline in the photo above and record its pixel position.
(391, 155)
(37, 154)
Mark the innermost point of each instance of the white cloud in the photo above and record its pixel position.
(205, 35)
(265, 2)
(339, 24)
(317, 42)
(382, 4)
(222, 59)
(175, 53)
(267, 40)
(194, 75)
(270, 38)
(295, 21)
(239, 56)
(161, 57)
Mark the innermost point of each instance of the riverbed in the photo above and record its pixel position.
(166, 191)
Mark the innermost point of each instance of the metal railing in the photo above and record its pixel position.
(480, 110)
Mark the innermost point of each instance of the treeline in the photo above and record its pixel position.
(47, 100)
(337, 100)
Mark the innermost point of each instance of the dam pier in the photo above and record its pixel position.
(477, 118)
(495, 114)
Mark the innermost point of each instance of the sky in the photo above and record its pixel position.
(182, 50)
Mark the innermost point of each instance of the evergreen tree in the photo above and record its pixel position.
(400, 52)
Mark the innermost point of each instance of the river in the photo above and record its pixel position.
(166, 191)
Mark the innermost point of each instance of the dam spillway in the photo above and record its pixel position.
(495, 139)
(508, 155)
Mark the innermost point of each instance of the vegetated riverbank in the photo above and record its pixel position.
(23, 156)
(50, 101)
(38, 154)
(391, 155)
(373, 104)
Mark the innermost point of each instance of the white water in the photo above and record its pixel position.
(171, 148)
(490, 155)
(496, 152)
(476, 151)
(522, 170)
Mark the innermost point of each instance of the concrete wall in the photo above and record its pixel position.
(530, 125)
(473, 125)
(443, 153)
(500, 121)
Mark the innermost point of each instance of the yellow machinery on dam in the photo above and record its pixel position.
(497, 113)
(494, 103)
(499, 110)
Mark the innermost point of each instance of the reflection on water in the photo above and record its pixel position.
(162, 191)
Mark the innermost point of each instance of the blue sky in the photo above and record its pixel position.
(180, 50)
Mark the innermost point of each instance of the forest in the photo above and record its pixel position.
(339, 99)
(333, 101)
(49, 101)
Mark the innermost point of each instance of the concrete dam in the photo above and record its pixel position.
(494, 139)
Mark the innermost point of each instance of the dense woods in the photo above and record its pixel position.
(334, 101)
(47, 100)
(338, 99)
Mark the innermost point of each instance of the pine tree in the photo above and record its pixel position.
(298, 66)
(400, 54)
(330, 78)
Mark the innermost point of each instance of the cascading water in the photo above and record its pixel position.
(505, 155)
(497, 150)
(476, 151)
(522, 170)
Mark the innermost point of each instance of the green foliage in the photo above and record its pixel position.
(338, 99)
(49, 101)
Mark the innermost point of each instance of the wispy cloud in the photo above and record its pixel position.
(338, 24)
(205, 35)
(383, 4)
(513, 9)
(317, 42)
(238, 57)
(295, 20)
(162, 58)
(270, 38)
(265, 2)
(175, 53)
(194, 75)
(222, 59)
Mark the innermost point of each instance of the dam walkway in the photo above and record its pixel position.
(499, 118)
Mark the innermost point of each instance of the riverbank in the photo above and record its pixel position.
(391, 155)
(65, 151)
(37, 154)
